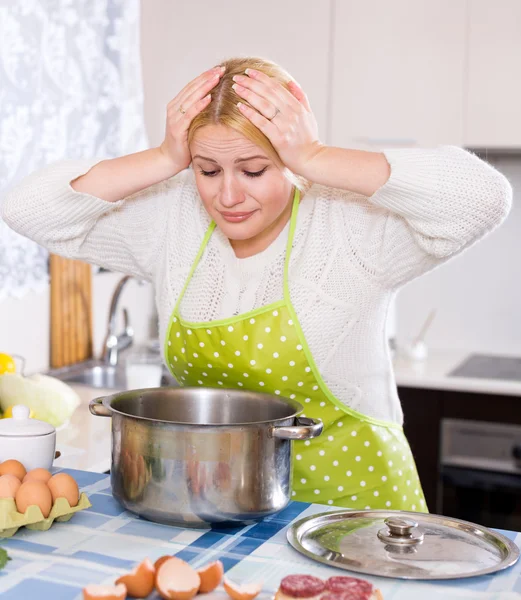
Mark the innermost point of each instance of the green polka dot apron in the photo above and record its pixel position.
(358, 461)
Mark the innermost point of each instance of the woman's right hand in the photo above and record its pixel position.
(118, 178)
(181, 111)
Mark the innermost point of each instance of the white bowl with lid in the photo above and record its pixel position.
(29, 441)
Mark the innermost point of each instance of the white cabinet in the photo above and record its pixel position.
(379, 73)
(181, 39)
(493, 106)
(397, 77)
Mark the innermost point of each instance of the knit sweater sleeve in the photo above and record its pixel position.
(124, 236)
(436, 203)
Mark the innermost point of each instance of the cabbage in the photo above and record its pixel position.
(49, 398)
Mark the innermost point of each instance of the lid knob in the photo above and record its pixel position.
(402, 532)
(400, 526)
(20, 411)
(21, 424)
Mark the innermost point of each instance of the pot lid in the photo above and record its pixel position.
(21, 425)
(404, 545)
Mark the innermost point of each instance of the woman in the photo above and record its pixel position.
(275, 258)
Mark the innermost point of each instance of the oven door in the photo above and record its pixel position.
(480, 473)
(485, 497)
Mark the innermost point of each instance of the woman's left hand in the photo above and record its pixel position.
(285, 118)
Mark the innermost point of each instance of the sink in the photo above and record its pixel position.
(99, 375)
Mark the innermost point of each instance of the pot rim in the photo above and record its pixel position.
(296, 406)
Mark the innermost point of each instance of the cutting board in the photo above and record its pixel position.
(71, 311)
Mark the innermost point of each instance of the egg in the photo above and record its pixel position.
(211, 576)
(242, 592)
(13, 467)
(9, 485)
(177, 580)
(38, 475)
(107, 592)
(34, 493)
(63, 485)
(161, 560)
(140, 581)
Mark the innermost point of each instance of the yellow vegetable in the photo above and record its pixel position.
(8, 414)
(6, 364)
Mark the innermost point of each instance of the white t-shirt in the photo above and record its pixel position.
(350, 254)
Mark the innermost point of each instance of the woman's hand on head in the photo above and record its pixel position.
(285, 117)
(181, 111)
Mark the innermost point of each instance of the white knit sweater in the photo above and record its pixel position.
(350, 253)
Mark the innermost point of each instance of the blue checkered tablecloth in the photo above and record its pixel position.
(100, 544)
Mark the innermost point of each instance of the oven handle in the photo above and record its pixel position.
(463, 477)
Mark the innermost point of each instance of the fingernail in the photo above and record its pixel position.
(240, 105)
(250, 72)
(235, 86)
(237, 78)
(222, 69)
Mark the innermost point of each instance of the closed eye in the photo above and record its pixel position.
(255, 173)
(208, 173)
(247, 173)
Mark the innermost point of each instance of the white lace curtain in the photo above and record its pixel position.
(70, 87)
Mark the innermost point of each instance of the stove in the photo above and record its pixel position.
(489, 366)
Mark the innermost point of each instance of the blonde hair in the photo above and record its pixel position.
(223, 110)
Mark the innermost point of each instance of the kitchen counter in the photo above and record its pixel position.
(85, 443)
(100, 544)
(433, 374)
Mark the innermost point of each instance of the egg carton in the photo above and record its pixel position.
(11, 520)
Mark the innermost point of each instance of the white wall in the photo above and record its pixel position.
(25, 327)
(137, 298)
(180, 41)
(478, 294)
(25, 322)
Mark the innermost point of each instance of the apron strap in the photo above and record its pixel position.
(289, 247)
(202, 248)
(210, 230)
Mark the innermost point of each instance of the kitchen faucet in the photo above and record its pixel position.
(116, 343)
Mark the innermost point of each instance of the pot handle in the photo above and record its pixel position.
(98, 409)
(305, 429)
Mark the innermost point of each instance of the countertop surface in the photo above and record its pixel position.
(100, 544)
(85, 443)
(433, 373)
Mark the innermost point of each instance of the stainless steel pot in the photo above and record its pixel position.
(195, 456)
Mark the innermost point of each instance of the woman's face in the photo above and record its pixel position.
(244, 191)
